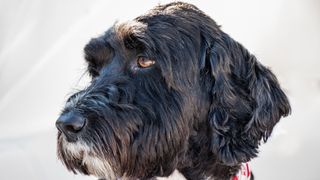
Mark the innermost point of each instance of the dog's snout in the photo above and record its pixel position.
(70, 123)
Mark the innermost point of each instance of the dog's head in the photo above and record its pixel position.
(155, 81)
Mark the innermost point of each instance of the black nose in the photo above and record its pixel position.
(70, 123)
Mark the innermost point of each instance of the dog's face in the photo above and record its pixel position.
(156, 82)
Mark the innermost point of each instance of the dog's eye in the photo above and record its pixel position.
(144, 62)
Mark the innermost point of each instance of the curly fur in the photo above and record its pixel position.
(202, 108)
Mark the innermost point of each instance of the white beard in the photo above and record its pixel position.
(97, 167)
(94, 165)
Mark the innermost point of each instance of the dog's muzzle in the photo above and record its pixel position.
(70, 124)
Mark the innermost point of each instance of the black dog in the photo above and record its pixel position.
(169, 91)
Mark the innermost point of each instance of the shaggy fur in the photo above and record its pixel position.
(202, 108)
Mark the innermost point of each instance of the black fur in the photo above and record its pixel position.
(202, 108)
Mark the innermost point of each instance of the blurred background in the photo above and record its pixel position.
(41, 63)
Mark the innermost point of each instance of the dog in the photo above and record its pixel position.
(169, 91)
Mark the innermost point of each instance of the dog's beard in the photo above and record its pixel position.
(80, 156)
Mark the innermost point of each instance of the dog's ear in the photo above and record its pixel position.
(246, 99)
(97, 54)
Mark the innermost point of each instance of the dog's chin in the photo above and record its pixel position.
(84, 159)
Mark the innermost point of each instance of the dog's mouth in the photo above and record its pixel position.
(79, 157)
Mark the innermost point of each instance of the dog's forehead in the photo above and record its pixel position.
(126, 29)
(162, 19)
(160, 34)
(114, 39)
(165, 16)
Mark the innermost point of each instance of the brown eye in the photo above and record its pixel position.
(144, 62)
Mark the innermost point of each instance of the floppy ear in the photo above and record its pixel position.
(246, 100)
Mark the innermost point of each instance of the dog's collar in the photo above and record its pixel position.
(244, 173)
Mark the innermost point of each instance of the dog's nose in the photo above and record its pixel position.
(70, 123)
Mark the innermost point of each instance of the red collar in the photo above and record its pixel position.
(244, 173)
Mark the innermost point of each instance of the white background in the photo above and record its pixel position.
(41, 63)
